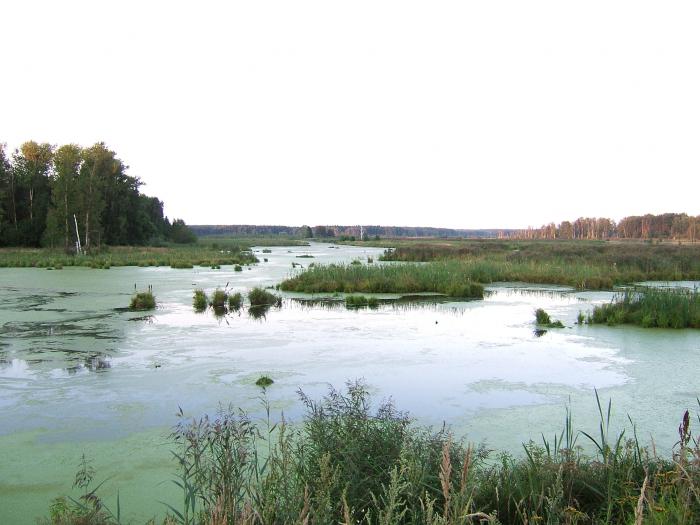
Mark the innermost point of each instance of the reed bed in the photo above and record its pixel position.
(449, 278)
(346, 462)
(651, 308)
(583, 264)
(175, 256)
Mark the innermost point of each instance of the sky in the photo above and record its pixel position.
(490, 114)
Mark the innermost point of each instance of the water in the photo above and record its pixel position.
(78, 374)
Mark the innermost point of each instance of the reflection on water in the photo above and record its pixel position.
(80, 372)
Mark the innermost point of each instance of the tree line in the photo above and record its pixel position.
(52, 196)
(675, 226)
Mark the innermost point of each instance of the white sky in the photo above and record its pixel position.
(455, 114)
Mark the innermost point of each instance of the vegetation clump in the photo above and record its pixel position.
(200, 301)
(143, 301)
(238, 268)
(651, 308)
(219, 299)
(264, 382)
(235, 301)
(261, 297)
(542, 318)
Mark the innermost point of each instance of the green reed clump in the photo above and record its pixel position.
(143, 301)
(235, 301)
(200, 301)
(218, 299)
(238, 268)
(261, 297)
(651, 308)
(264, 381)
(347, 462)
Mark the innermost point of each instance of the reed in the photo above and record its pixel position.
(449, 278)
(351, 460)
(200, 301)
(651, 308)
(143, 301)
(261, 297)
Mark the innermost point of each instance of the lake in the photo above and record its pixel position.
(79, 374)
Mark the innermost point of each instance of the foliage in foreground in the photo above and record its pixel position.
(348, 463)
(651, 308)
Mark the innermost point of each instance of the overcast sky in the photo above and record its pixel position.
(456, 114)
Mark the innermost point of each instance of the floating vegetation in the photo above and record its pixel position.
(542, 318)
(264, 382)
(267, 250)
(305, 256)
(143, 301)
(238, 268)
(200, 301)
(651, 308)
(215, 267)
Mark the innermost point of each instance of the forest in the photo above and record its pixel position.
(675, 226)
(48, 192)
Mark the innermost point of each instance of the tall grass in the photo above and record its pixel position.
(582, 264)
(261, 297)
(448, 278)
(175, 256)
(351, 460)
(651, 308)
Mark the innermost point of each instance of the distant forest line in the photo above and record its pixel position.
(668, 226)
(48, 192)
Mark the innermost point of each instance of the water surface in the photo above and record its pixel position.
(78, 374)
